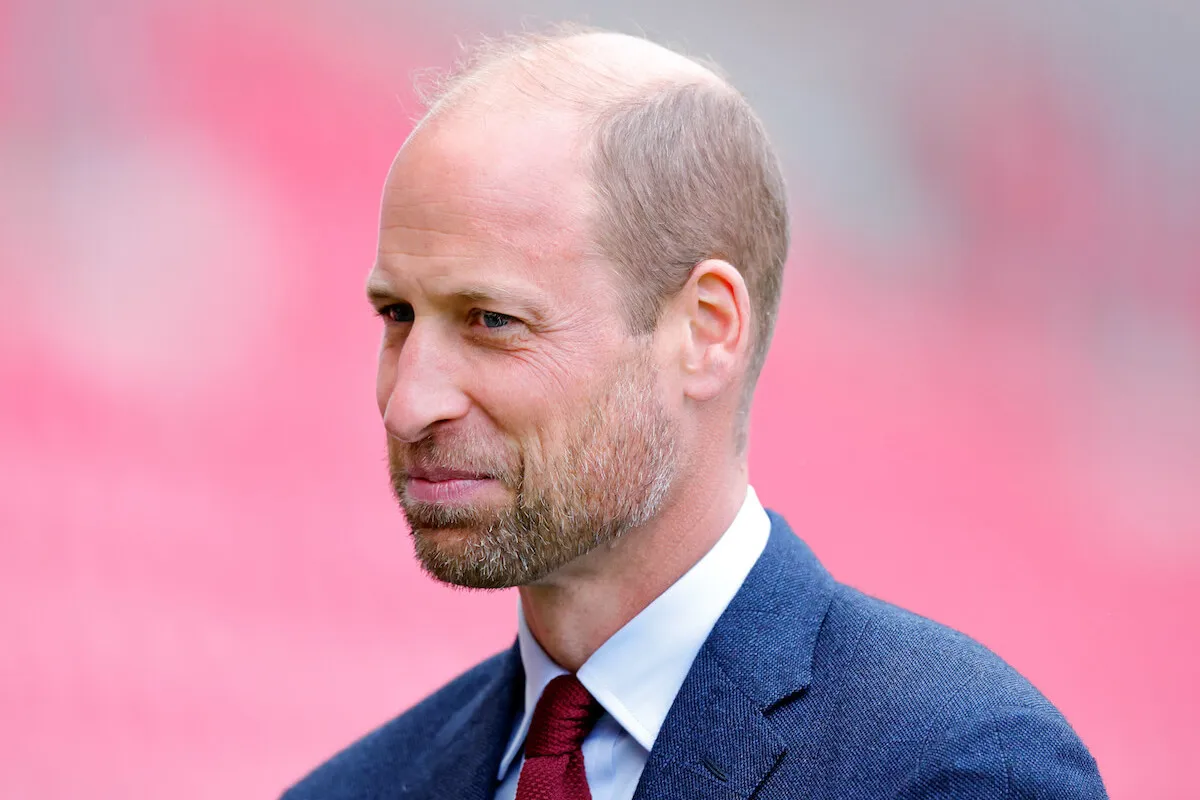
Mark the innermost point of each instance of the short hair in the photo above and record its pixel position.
(682, 169)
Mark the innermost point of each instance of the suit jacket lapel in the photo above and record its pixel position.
(718, 740)
(715, 742)
(464, 756)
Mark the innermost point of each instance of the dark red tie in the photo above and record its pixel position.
(562, 719)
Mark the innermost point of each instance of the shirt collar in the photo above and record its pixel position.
(636, 674)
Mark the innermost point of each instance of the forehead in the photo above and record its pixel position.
(473, 183)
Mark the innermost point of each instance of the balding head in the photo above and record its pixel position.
(680, 167)
(583, 71)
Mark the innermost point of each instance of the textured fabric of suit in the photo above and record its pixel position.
(806, 688)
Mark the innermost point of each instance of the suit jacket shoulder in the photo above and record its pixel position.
(809, 688)
(942, 715)
(400, 757)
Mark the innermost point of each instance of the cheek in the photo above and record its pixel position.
(530, 397)
(515, 401)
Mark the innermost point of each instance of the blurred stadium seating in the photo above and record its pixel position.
(983, 401)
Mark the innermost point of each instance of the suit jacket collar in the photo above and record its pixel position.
(767, 636)
(718, 741)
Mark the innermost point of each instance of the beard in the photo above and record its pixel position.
(577, 485)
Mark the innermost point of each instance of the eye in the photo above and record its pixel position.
(397, 312)
(492, 320)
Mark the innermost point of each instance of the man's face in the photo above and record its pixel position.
(526, 427)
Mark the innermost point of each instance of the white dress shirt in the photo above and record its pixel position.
(636, 674)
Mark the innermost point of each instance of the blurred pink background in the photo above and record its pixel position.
(983, 401)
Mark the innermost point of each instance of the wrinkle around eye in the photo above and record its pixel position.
(548, 364)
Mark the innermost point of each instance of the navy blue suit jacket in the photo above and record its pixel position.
(806, 688)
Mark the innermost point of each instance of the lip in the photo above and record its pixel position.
(445, 485)
(443, 475)
(454, 491)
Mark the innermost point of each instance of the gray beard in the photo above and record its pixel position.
(611, 475)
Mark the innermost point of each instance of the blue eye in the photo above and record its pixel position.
(493, 320)
(397, 312)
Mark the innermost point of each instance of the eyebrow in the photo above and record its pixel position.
(379, 293)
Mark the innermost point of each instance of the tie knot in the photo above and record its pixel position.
(562, 719)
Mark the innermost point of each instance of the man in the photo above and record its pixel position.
(579, 266)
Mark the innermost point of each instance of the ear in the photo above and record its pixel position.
(716, 310)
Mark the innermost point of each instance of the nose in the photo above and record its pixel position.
(419, 385)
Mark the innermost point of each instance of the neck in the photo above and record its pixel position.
(575, 610)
